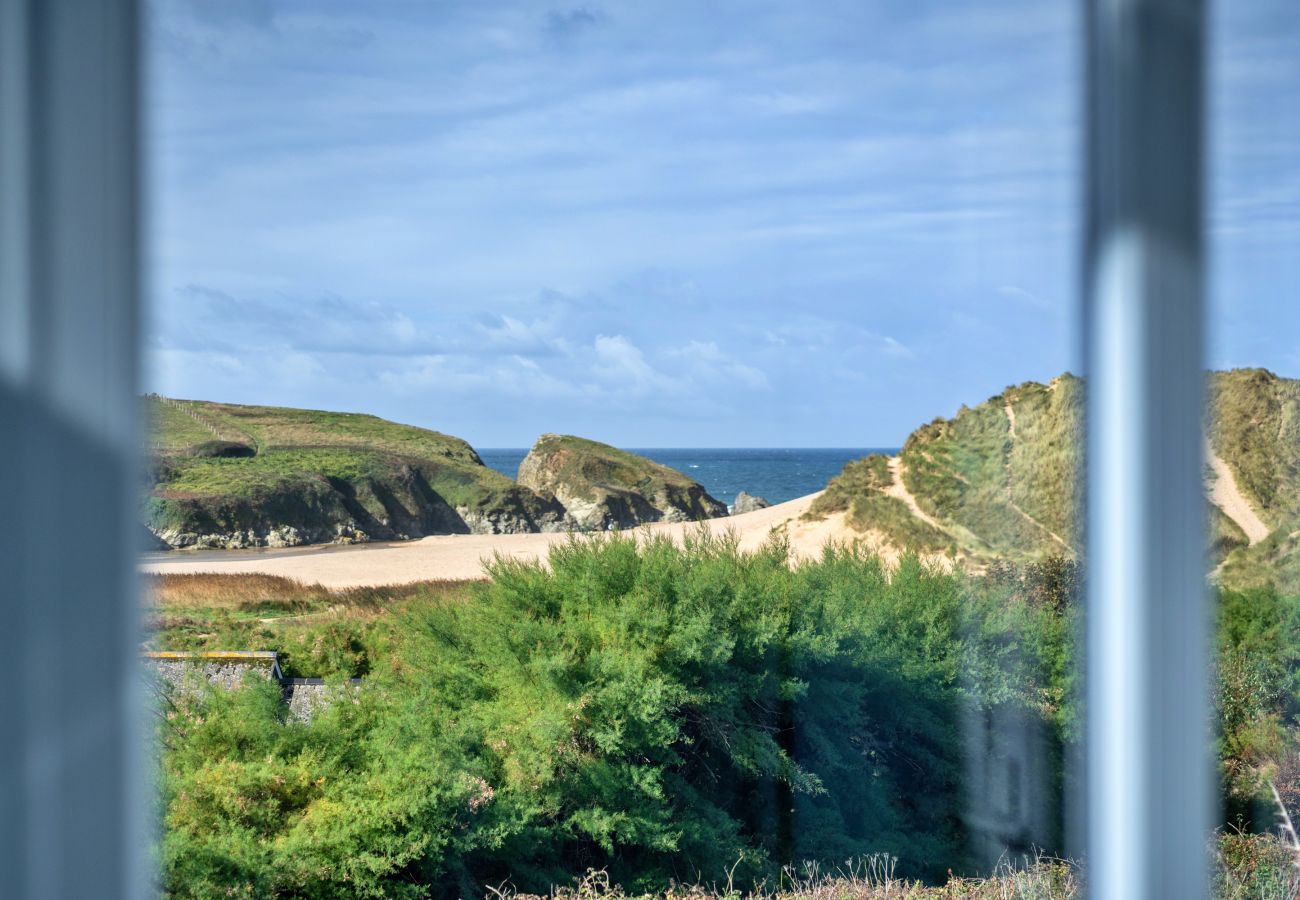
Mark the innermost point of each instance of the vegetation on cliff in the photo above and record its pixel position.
(996, 480)
(999, 480)
(1255, 429)
(228, 475)
(223, 475)
(603, 487)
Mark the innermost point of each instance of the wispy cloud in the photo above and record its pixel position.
(206, 319)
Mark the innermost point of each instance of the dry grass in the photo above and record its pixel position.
(248, 593)
(866, 878)
(318, 632)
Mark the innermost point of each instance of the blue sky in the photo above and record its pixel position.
(670, 223)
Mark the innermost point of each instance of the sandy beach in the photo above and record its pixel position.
(461, 556)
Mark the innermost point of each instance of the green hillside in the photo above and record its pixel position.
(604, 487)
(998, 480)
(1256, 431)
(226, 475)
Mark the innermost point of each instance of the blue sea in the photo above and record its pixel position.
(776, 475)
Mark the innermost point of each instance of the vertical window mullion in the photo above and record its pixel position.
(1149, 796)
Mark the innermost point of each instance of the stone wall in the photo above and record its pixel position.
(222, 672)
(302, 696)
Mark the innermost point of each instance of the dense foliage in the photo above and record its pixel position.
(1258, 700)
(666, 715)
(663, 713)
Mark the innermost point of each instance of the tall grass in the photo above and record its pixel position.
(317, 631)
(858, 492)
(245, 592)
(861, 878)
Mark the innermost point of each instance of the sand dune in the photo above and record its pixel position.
(461, 556)
(1225, 494)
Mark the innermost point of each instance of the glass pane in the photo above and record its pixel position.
(768, 305)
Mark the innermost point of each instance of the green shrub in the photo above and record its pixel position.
(667, 714)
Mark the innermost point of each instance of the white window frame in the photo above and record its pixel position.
(71, 795)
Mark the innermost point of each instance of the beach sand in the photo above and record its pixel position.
(458, 557)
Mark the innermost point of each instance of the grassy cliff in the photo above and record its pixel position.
(998, 480)
(603, 487)
(229, 476)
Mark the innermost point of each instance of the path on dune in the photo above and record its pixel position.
(1225, 494)
(1011, 432)
(899, 491)
(459, 557)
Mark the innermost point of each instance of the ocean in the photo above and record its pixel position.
(776, 475)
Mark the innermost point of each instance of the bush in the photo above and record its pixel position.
(667, 714)
(222, 450)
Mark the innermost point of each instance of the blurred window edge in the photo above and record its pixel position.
(72, 798)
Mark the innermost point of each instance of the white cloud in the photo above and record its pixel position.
(620, 363)
(705, 362)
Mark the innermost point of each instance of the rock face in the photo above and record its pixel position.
(602, 487)
(224, 476)
(748, 503)
(228, 477)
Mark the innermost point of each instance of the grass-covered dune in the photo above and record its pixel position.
(603, 487)
(994, 481)
(225, 475)
(999, 480)
(1255, 429)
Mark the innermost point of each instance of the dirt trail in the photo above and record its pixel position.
(461, 556)
(899, 490)
(1224, 493)
(1011, 431)
(1039, 525)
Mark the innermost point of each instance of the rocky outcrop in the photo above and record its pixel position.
(225, 476)
(748, 503)
(306, 511)
(284, 477)
(602, 487)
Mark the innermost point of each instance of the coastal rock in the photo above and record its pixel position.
(601, 487)
(267, 536)
(748, 503)
(282, 477)
(150, 542)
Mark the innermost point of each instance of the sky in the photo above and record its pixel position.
(695, 223)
